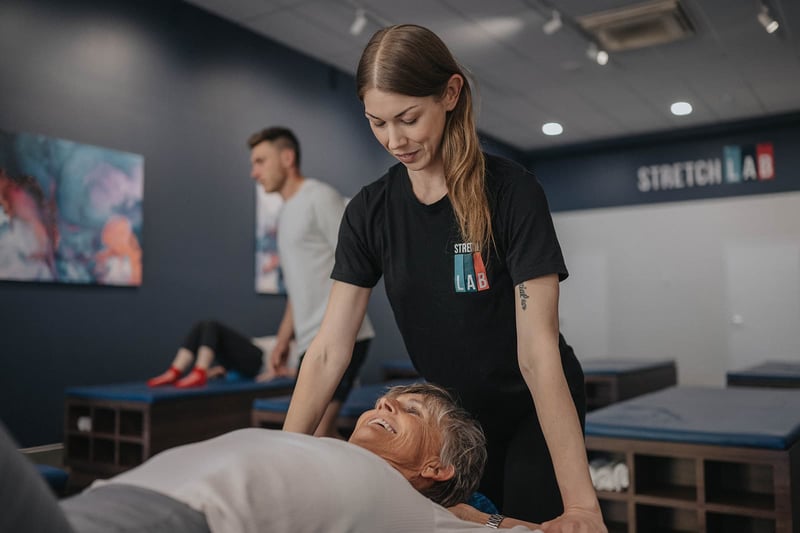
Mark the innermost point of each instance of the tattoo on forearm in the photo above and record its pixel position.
(523, 296)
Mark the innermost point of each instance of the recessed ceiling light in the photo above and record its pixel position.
(552, 128)
(681, 108)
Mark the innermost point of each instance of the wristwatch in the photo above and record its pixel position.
(494, 521)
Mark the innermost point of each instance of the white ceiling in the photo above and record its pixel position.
(730, 69)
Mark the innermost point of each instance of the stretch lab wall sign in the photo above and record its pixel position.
(738, 164)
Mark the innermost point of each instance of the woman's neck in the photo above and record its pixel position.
(428, 187)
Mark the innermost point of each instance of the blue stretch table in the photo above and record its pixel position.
(111, 428)
(702, 459)
(781, 374)
(610, 380)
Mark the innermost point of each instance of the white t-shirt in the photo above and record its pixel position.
(256, 480)
(308, 230)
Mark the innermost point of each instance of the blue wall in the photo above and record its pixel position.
(184, 89)
(607, 174)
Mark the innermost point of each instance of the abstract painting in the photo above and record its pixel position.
(69, 212)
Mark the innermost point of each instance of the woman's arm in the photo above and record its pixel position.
(328, 356)
(540, 363)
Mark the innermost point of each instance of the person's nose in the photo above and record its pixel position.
(387, 404)
(396, 138)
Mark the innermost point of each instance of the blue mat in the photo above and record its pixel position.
(736, 416)
(55, 477)
(614, 367)
(140, 392)
(362, 398)
(770, 370)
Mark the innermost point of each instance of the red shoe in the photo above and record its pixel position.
(167, 378)
(196, 378)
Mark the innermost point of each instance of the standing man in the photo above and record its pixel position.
(308, 228)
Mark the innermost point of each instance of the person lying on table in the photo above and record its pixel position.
(409, 459)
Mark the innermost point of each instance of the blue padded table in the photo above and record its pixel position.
(111, 428)
(702, 459)
(271, 412)
(610, 380)
(781, 374)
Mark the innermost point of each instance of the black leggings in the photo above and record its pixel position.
(232, 350)
(519, 476)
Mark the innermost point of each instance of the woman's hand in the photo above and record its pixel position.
(279, 360)
(576, 520)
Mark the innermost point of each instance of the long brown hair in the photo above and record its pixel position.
(413, 61)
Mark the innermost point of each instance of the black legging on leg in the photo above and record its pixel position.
(232, 350)
(519, 476)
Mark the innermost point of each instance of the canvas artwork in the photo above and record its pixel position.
(269, 279)
(71, 212)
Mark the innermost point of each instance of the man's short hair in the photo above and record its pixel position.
(463, 443)
(281, 137)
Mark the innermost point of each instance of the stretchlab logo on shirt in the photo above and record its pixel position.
(738, 164)
(469, 272)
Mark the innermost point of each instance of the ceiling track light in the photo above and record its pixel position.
(768, 21)
(359, 22)
(596, 54)
(553, 24)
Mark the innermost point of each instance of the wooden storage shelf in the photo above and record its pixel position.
(105, 436)
(681, 487)
(670, 496)
(658, 519)
(609, 381)
(725, 523)
(615, 514)
(665, 478)
(609, 495)
(771, 374)
(703, 459)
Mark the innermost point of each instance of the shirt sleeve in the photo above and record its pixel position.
(357, 255)
(532, 248)
(328, 210)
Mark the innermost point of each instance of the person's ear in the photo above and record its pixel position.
(453, 91)
(435, 471)
(287, 157)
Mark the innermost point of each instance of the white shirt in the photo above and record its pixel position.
(255, 480)
(308, 230)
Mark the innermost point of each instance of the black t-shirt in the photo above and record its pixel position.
(454, 307)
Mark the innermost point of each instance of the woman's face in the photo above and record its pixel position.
(411, 127)
(402, 430)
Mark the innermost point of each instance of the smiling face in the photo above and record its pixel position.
(411, 127)
(403, 431)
